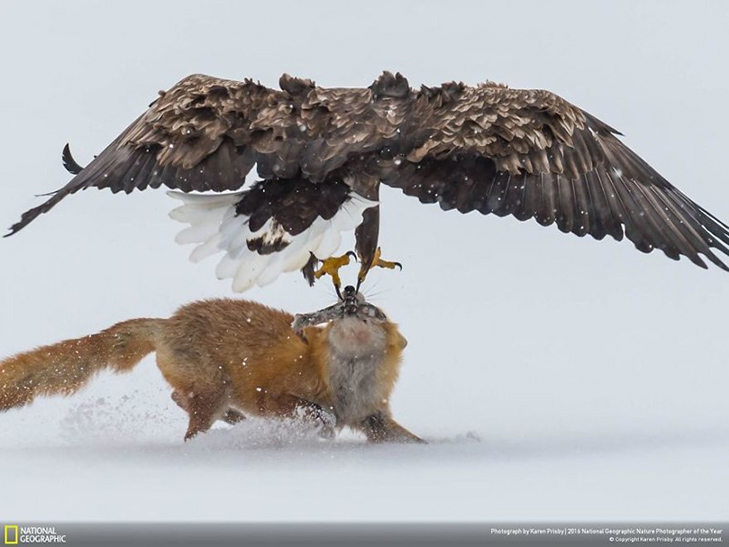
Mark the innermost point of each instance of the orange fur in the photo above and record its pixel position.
(64, 368)
(224, 359)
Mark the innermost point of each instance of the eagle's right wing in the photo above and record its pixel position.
(206, 133)
(192, 138)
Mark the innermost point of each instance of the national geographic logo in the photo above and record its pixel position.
(29, 535)
(11, 534)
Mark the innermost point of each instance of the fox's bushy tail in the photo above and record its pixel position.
(65, 367)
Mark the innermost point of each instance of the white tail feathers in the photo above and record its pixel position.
(215, 227)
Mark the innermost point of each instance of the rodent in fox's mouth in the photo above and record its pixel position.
(349, 299)
(351, 304)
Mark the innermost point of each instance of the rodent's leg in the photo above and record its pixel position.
(380, 428)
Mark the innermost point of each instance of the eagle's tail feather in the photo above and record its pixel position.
(258, 256)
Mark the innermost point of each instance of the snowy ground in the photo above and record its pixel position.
(556, 378)
(121, 458)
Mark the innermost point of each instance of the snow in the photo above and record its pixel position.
(121, 457)
(264, 474)
(555, 378)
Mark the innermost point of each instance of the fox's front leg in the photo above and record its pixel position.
(380, 428)
(291, 406)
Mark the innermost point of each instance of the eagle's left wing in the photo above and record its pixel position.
(531, 154)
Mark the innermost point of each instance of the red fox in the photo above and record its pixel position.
(226, 359)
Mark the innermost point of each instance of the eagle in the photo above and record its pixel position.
(321, 154)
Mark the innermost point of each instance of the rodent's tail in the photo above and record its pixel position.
(64, 368)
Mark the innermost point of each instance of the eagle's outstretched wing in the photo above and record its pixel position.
(194, 137)
(531, 154)
(320, 152)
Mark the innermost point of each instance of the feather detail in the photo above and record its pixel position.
(522, 152)
(216, 228)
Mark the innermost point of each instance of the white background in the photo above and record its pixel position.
(557, 378)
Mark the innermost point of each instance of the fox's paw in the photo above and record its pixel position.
(325, 422)
(327, 432)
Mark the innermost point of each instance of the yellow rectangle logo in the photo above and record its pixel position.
(11, 531)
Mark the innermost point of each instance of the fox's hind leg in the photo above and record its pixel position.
(230, 416)
(198, 389)
(203, 407)
(179, 399)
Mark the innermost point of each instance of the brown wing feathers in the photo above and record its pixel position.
(526, 153)
(532, 155)
(602, 202)
(293, 203)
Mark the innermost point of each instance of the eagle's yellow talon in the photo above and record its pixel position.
(331, 266)
(377, 262)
